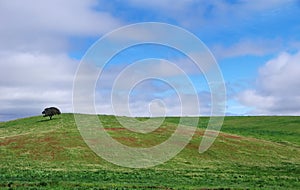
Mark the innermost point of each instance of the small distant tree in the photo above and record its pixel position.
(50, 112)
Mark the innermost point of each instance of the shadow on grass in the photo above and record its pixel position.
(46, 120)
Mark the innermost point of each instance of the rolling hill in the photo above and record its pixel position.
(250, 153)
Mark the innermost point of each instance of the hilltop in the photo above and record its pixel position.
(250, 152)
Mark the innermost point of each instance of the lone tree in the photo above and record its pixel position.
(51, 112)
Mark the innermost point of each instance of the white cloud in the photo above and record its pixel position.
(257, 5)
(191, 13)
(277, 87)
(152, 104)
(257, 47)
(35, 69)
(133, 95)
(46, 25)
(29, 82)
(70, 17)
(162, 5)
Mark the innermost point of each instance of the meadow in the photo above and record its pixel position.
(255, 152)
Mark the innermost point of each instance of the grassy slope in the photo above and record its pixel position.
(281, 129)
(262, 153)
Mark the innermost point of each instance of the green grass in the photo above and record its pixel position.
(250, 153)
(281, 129)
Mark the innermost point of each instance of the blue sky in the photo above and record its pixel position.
(256, 44)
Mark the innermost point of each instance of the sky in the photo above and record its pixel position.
(255, 43)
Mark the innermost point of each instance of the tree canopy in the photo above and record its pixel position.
(50, 112)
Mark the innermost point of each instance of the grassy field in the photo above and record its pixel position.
(249, 153)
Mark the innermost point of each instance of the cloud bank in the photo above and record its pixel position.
(40, 42)
(277, 89)
(35, 68)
